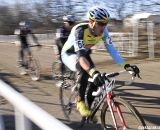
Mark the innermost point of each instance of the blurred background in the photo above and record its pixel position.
(46, 14)
(134, 28)
(134, 25)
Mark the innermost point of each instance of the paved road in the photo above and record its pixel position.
(144, 94)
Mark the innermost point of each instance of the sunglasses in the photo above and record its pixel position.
(101, 24)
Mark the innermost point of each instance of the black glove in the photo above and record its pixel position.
(133, 68)
(98, 80)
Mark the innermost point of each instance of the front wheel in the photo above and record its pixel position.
(132, 117)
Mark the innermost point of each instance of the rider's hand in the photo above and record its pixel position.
(98, 80)
(134, 68)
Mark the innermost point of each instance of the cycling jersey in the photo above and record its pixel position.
(61, 37)
(23, 37)
(81, 39)
(62, 34)
(78, 44)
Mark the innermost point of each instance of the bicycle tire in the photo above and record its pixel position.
(68, 103)
(56, 74)
(133, 111)
(22, 66)
(33, 69)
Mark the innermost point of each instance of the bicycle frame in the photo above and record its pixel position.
(105, 94)
(108, 95)
(111, 106)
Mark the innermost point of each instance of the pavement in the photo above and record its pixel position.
(143, 94)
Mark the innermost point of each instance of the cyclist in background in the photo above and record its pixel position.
(24, 31)
(76, 54)
(62, 36)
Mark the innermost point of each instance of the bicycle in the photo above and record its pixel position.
(116, 113)
(66, 77)
(29, 65)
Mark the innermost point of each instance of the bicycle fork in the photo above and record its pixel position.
(111, 105)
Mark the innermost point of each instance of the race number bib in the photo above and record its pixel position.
(79, 45)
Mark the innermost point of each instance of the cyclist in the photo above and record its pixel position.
(24, 31)
(62, 36)
(76, 54)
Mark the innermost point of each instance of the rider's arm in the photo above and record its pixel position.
(84, 63)
(59, 34)
(116, 56)
(59, 42)
(80, 50)
(34, 37)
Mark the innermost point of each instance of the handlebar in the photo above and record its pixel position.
(112, 75)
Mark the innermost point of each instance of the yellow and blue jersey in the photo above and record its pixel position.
(81, 38)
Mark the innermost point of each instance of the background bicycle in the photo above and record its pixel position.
(67, 77)
(29, 65)
(116, 113)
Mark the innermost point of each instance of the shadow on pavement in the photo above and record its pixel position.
(9, 123)
(140, 99)
(87, 126)
(5, 75)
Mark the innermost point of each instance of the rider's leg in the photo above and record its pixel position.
(59, 47)
(81, 105)
(83, 81)
(90, 88)
(71, 62)
(62, 66)
(27, 49)
(21, 56)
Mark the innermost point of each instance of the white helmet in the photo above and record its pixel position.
(69, 18)
(99, 14)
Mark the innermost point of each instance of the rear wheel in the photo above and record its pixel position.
(22, 66)
(56, 73)
(131, 116)
(33, 69)
(68, 101)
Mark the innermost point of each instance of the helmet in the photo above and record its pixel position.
(99, 14)
(24, 25)
(69, 18)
